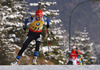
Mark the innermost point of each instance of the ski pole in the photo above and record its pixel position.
(47, 37)
(25, 35)
(47, 41)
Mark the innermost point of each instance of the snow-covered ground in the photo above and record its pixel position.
(51, 67)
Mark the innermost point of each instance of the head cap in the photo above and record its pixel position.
(73, 47)
(39, 13)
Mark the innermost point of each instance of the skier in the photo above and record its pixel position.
(35, 29)
(73, 56)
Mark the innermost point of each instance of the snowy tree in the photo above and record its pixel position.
(11, 24)
(81, 40)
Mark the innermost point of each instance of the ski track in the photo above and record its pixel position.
(50, 67)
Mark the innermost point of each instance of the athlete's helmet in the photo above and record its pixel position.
(39, 13)
(73, 47)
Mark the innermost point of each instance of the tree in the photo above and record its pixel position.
(12, 15)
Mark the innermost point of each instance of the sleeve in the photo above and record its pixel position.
(78, 51)
(28, 20)
(47, 20)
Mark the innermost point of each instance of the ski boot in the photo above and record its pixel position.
(15, 62)
(35, 60)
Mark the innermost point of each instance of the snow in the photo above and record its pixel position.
(93, 57)
(11, 24)
(56, 14)
(17, 46)
(54, 32)
(12, 35)
(11, 40)
(61, 62)
(55, 46)
(84, 33)
(17, 39)
(53, 10)
(15, 15)
(49, 39)
(45, 49)
(60, 43)
(9, 9)
(46, 61)
(3, 13)
(32, 13)
(24, 12)
(33, 4)
(50, 67)
(18, 6)
(8, 28)
(1, 29)
(5, 7)
(33, 42)
(59, 36)
(56, 21)
(47, 3)
(46, 12)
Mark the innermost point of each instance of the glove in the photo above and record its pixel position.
(47, 26)
(24, 28)
(76, 48)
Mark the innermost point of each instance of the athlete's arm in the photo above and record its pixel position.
(28, 20)
(47, 20)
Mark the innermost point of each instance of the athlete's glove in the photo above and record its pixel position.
(47, 26)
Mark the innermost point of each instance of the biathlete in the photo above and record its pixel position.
(35, 29)
(73, 56)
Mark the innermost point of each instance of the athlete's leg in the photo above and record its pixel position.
(36, 52)
(25, 44)
(38, 41)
